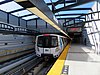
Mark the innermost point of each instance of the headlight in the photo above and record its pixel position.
(57, 49)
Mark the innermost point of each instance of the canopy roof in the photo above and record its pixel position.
(59, 7)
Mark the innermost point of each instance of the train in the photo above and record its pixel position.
(50, 45)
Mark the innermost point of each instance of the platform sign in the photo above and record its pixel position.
(74, 29)
(65, 70)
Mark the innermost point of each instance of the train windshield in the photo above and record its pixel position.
(47, 41)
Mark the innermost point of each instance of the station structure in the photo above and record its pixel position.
(22, 20)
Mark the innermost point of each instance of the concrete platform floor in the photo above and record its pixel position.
(82, 61)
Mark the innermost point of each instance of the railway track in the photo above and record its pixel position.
(42, 68)
(26, 65)
(9, 67)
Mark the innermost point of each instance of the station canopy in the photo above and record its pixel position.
(62, 9)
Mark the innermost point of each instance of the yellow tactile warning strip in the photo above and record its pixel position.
(58, 66)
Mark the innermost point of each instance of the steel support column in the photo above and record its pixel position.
(18, 21)
(46, 24)
(36, 23)
(7, 17)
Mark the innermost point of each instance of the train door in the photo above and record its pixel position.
(51, 43)
(46, 49)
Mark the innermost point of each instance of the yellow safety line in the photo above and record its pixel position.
(58, 66)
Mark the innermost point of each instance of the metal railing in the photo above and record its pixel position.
(7, 27)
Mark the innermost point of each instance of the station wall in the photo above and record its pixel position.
(23, 23)
(92, 33)
(31, 24)
(41, 26)
(13, 20)
(3, 16)
(14, 44)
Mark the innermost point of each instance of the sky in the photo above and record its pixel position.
(14, 6)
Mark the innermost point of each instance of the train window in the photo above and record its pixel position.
(47, 41)
(54, 41)
(40, 41)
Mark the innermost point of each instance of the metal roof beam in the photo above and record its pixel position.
(79, 2)
(6, 1)
(69, 14)
(59, 18)
(17, 10)
(61, 2)
(33, 19)
(79, 17)
(70, 18)
(26, 15)
(65, 9)
(73, 20)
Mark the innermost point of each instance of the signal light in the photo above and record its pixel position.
(46, 34)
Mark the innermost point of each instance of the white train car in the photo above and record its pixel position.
(50, 44)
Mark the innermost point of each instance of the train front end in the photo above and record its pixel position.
(47, 45)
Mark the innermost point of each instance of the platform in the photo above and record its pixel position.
(82, 61)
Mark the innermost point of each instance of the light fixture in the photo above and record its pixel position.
(20, 0)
